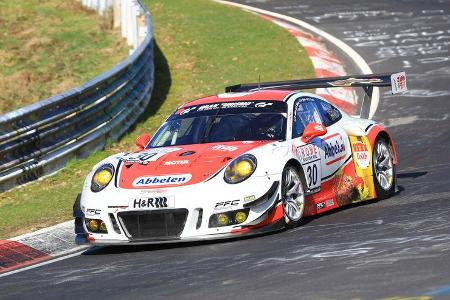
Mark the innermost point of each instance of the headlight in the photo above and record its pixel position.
(102, 177)
(240, 169)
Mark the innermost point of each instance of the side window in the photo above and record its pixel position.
(305, 112)
(329, 113)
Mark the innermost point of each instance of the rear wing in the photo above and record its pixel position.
(397, 82)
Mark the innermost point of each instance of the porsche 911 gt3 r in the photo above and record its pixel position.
(257, 158)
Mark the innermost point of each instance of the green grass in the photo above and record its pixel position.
(202, 46)
(49, 46)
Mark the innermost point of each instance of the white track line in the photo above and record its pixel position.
(352, 54)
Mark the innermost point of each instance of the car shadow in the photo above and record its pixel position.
(135, 248)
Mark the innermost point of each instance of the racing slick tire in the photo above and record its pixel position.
(383, 168)
(293, 196)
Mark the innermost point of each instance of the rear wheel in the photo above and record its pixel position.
(383, 168)
(293, 196)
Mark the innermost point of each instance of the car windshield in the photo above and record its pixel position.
(196, 126)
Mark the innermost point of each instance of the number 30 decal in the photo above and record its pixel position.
(313, 174)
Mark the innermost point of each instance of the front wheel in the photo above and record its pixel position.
(383, 168)
(293, 196)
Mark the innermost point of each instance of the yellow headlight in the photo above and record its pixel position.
(240, 217)
(103, 177)
(222, 219)
(92, 225)
(240, 169)
(243, 168)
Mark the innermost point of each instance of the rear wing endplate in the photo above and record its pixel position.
(397, 82)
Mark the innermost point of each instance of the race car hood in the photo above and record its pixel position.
(178, 165)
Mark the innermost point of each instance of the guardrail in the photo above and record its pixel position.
(40, 138)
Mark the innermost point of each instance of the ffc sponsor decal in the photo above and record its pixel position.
(152, 202)
(334, 148)
(176, 162)
(361, 154)
(161, 180)
(329, 203)
(320, 205)
(93, 212)
(147, 156)
(224, 148)
(226, 204)
(308, 153)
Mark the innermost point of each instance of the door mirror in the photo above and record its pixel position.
(143, 140)
(313, 130)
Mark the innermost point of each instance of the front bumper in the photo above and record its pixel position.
(185, 221)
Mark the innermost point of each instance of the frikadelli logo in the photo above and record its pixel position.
(334, 148)
(361, 154)
(398, 82)
(161, 180)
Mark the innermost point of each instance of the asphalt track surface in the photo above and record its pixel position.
(398, 247)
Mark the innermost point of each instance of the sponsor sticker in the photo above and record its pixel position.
(145, 181)
(146, 156)
(308, 153)
(226, 204)
(176, 162)
(92, 212)
(334, 148)
(152, 202)
(249, 198)
(329, 203)
(362, 155)
(320, 205)
(224, 148)
(398, 83)
(263, 104)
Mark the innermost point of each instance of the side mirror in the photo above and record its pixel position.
(313, 130)
(143, 140)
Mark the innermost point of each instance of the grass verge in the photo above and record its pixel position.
(49, 46)
(202, 46)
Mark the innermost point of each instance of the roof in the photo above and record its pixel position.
(272, 95)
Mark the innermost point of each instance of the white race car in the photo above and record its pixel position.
(257, 158)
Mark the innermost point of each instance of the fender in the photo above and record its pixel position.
(373, 131)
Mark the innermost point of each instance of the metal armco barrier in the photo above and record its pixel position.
(40, 138)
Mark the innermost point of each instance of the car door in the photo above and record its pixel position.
(323, 156)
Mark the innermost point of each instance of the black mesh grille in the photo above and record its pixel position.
(155, 224)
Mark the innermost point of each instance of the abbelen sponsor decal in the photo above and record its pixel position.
(361, 154)
(334, 148)
(226, 204)
(161, 180)
(176, 162)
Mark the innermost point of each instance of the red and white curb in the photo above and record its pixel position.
(38, 246)
(314, 48)
(325, 64)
